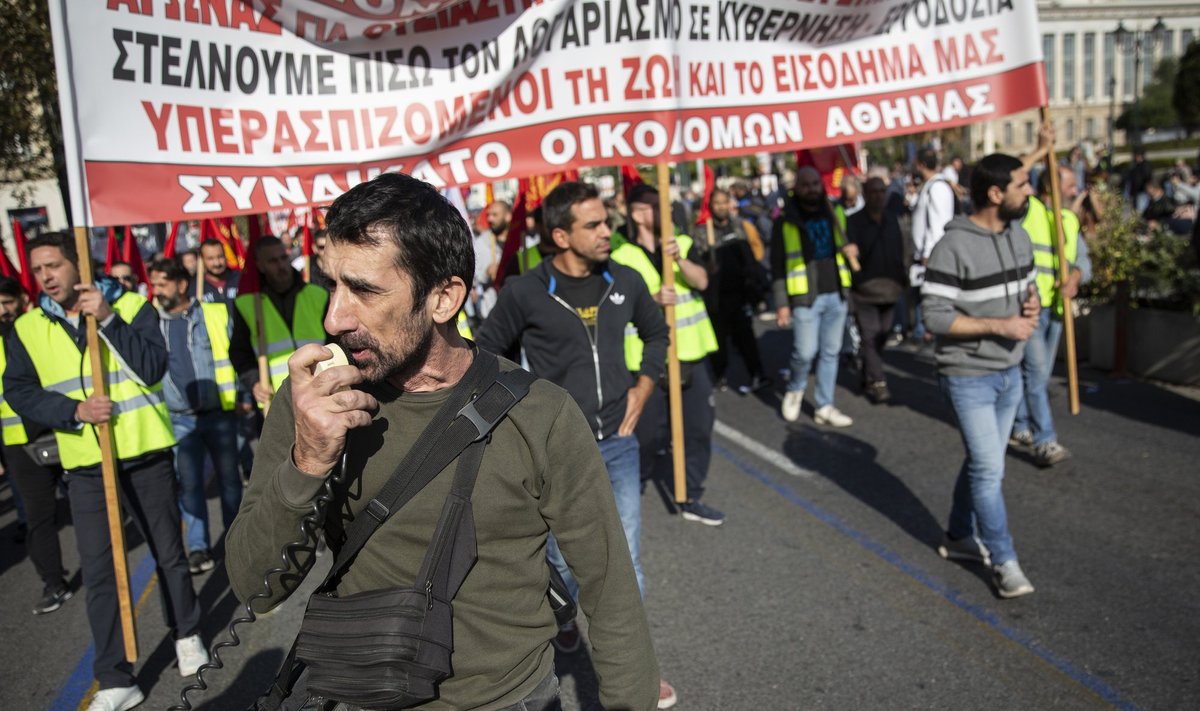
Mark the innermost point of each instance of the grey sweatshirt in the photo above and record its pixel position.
(975, 272)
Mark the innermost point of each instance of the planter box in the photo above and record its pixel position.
(1164, 345)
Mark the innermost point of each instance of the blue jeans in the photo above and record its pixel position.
(984, 406)
(1033, 412)
(817, 333)
(214, 433)
(624, 472)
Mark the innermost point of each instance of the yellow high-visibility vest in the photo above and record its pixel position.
(694, 334)
(140, 422)
(793, 260)
(10, 422)
(216, 323)
(307, 327)
(1039, 223)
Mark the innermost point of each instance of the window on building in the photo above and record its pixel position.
(1148, 64)
(1091, 127)
(1068, 66)
(1029, 133)
(1008, 134)
(1110, 65)
(1070, 130)
(1089, 66)
(1048, 57)
(1185, 39)
(1127, 74)
(1168, 46)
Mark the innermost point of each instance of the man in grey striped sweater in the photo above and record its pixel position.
(980, 301)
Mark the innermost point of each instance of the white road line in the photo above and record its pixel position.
(773, 457)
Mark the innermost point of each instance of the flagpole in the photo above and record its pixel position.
(264, 369)
(674, 390)
(108, 463)
(1063, 274)
(200, 265)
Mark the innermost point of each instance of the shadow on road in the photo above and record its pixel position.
(1133, 399)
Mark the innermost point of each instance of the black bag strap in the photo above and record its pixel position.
(433, 452)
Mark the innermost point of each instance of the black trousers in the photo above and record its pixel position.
(699, 413)
(733, 323)
(149, 493)
(38, 487)
(874, 326)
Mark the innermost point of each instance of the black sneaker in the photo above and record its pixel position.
(696, 511)
(200, 562)
(756, 383)
(878, 393)
(52, 598)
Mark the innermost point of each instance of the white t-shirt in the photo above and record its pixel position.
(935, 208)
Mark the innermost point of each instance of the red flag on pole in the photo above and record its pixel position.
(169, 247)
(710, 183)
(832, 162)
(6, 265)
(249, 281)
(26, 277)
(629, 178)
(111, 253)
(133, 257)
(530, 193)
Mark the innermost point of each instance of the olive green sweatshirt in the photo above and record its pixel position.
(541, 472)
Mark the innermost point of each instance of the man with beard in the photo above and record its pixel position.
(292, 314)
(201, 392)
(36, 484)
(489, 248)
(810, 280)
(400, 257)
(48, 380)
(220, 282)
(981, 302)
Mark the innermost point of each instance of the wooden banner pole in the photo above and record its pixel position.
(674, 389)
(1063, 274)
(264, 368)
(108, 462)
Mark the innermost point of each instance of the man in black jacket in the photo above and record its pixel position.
(569, 314)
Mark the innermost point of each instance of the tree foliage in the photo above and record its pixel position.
(1156, 108)
(1187, 89)
(30, 126)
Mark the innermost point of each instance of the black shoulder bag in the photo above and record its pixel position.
(389, 649)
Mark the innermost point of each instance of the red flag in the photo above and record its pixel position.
(254, 226)
(27, 280)
(530, 193)
(249, 281)
(710, 182)
(133, 257)
(111, 256)
(629, 178)
(169, 247)
(6, 265)
(832, 162)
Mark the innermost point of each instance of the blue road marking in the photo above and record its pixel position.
(980, 613)
(77, 685)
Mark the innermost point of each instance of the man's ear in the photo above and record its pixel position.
(446, 300)
(995, 196)
(560, 238)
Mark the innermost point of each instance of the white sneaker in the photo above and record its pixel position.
(792, 400)
(121, 698)
(1010, 580)
(191, 654)
(830, 415)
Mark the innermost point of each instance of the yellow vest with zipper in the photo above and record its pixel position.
(216, 322)
(308, 321)
(13, 429)
(1039, 223)
(793, 260)
(694, 334)
(140, 421)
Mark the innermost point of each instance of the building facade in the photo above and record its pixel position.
(1090, 77)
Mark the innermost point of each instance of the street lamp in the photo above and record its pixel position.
(1133, 42)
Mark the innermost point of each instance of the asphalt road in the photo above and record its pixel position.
(823, 590)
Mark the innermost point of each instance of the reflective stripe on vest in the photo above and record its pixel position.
(12, 427)
(1039, 223)
(793, 260)
(140, 422)
(464, 328)
(216, 322)
(694, 333)
(528, 258)
(307, 327)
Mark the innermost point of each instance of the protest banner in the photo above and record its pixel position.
(191, 108)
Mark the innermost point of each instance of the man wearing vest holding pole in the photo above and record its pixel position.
(811, 278)
(292, 311)
(695, 339)
(48, 368)
(201, 391)
(1034, 426)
